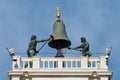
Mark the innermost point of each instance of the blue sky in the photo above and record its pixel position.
(97, 20)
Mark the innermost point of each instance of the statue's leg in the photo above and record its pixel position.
(32, 53)
(26, 65)
(31, 63)
(84, 54)
(88, 53)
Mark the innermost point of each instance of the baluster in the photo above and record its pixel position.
(23, 66)
(76, 64)
(43, 64)
(28, 64)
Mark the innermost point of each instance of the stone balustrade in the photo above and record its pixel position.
(41, 63)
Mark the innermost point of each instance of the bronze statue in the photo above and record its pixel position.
(32, 47)
(85, 47)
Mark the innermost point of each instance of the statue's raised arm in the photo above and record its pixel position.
(38, 41)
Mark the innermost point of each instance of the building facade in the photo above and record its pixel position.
(80, 68)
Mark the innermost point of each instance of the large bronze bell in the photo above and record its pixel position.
(59, 37)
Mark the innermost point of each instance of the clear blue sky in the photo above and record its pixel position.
(98, 20)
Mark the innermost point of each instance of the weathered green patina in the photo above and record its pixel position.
(32, 47)
(84, 47)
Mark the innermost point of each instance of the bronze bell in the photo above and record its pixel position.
(59, 37)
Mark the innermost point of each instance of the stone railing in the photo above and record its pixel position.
(40, 63)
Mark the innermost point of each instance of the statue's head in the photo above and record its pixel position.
(83, 39)
(33, 37)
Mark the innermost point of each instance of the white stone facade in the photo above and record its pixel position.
(82, 68)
